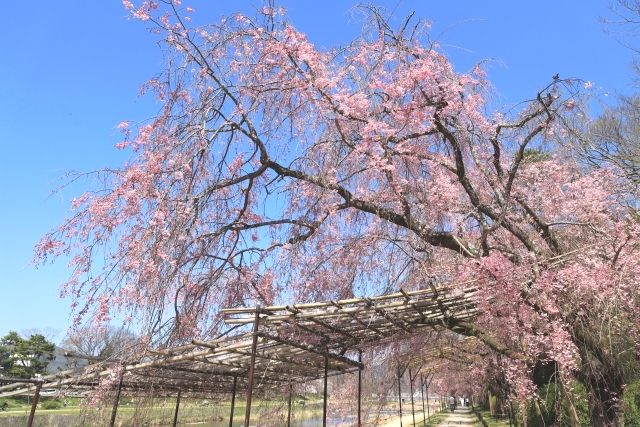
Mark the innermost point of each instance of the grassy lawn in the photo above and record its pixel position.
(45, 403)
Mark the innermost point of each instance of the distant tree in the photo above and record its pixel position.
(25, 358)
(613, 138)
(104, 343)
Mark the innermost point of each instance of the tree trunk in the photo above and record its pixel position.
(492, 409)
(525, 418)
(603, 377)
(603, 410)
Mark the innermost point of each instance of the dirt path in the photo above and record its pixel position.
(462, 417)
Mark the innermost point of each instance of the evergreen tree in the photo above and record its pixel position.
(24, 358)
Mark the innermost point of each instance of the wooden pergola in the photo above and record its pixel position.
(287, 344)
(357, 322)
(203, 368)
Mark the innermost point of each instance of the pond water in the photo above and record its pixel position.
(309, 422)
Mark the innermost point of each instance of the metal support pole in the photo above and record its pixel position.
(360, 390)
(175, 414)
(400, 395)
(256, 324)
(422, 386)
(289, 406)
(114, 411)
(324, 402)
(36, 397)
(413, 412)
(233, 400)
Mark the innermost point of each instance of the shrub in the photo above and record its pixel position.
(554, 408)
(631, 402)
(51, 404)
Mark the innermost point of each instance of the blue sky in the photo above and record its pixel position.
(71, 71)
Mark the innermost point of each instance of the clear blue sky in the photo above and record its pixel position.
(71, 70)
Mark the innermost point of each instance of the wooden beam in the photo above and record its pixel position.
(311, 349)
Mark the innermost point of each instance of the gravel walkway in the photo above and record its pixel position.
(461, 417)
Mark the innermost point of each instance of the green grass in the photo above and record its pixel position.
(24, 403)
(435, 419)
(492, 421)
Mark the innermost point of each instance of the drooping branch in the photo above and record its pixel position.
(435, 238)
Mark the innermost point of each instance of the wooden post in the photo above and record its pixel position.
(175, 414)
(36, 397)
(413, 412)
(360, 389)
(422, 386)
(289, 406)
(233, 400)
(426, 391)
(254, 346)
(114, 411)
(400, 394)
(512, 414)
(324, 403)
